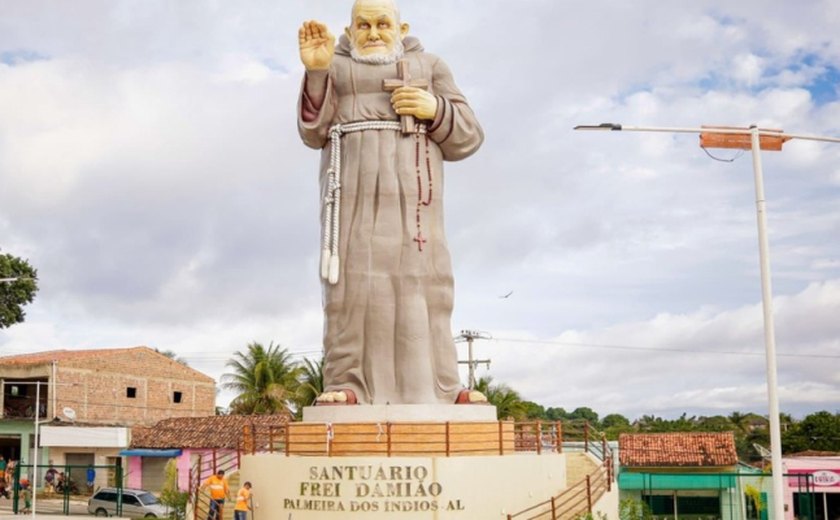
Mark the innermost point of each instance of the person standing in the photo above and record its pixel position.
(219, 491)
(244, 502)
(91, 478)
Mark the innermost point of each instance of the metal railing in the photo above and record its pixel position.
(405, 439)
(206, 464)
(579, 498)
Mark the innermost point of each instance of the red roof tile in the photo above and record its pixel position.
(695, 449)
(218, 431)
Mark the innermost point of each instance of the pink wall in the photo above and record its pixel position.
(796, 465)
(134, 478)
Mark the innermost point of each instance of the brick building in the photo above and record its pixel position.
(88, 399)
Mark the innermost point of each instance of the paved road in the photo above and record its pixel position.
(46, 507)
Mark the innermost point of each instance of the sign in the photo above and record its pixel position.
(819, 477)
(373, 488)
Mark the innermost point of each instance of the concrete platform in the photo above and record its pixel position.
(438, 413)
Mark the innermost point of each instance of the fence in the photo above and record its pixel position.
(206, 464)
(64, 482)
(405, 439)
(579, 498)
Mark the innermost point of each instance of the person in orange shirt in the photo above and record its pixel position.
(244, 501)
(219, 491)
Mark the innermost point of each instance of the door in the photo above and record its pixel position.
(154, 474)
(78, 464)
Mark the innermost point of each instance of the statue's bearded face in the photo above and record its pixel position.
(375, 33)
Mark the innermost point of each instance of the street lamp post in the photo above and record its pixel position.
(754, 139)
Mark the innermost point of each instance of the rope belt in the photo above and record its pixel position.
(332, 202)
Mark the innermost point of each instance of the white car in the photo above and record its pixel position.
(135, 503)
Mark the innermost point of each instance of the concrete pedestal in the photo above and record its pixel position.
(440, 488)
(453, 462)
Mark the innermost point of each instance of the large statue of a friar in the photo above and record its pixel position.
(386, 115)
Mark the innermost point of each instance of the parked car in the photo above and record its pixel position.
(135, 503)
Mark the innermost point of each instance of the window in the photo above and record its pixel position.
(704, 506)
(176, 397)
(130, 500)
(17, 391)
(131, 392)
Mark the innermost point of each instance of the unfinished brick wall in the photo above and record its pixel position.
(133, 387)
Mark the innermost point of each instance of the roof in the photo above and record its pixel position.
(48, 356)
(216, 431)
(123, 360)
(688, 449)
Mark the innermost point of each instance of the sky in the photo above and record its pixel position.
(151, 170)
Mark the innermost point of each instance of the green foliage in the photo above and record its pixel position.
(585, 413)
(819, 431)
(15, 294)
(266, 379)
(632, 509)
(589, 516)
(533, 411)
(507, 401)
(311, 384)
(556, 414)
(615, 424)
(170, 495)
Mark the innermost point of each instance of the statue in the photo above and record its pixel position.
(386, 115)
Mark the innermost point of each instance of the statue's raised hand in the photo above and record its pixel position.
(317, 45)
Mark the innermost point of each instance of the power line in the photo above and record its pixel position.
(655, 349)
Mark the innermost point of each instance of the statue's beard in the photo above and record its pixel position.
(393, 56)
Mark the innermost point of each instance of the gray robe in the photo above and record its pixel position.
(387, 331)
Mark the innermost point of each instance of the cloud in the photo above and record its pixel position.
(151, 169)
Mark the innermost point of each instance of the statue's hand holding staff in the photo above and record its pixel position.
(412, 101)
(317, 45)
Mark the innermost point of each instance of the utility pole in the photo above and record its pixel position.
(754, 139)
(469, 336)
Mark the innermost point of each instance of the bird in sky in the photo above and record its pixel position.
(505, 296)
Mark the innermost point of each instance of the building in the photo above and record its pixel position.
(692, 476)
(812, 485)
(200, 444)
(86, 401)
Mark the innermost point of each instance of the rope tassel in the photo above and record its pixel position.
(330, 261)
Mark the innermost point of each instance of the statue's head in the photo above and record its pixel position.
(375, 31)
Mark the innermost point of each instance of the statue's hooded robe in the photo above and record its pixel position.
(387, 331)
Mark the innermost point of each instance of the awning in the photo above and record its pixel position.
(140, 452)
(670, 481)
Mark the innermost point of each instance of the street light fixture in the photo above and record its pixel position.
(755, 139)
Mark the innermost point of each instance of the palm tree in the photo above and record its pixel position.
(266, 379)
(507, 401)
(741, 421)
(311, 384)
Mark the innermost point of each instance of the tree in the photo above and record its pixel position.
(18, 288)
(585, 413)
(740, 421)
(819, 431)
(266, 379)
(533, 410)
(615, 424)
(311, 384)
(170, 494)
(556, 414)
(507, 401)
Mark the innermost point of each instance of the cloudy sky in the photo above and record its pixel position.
(150, 168)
